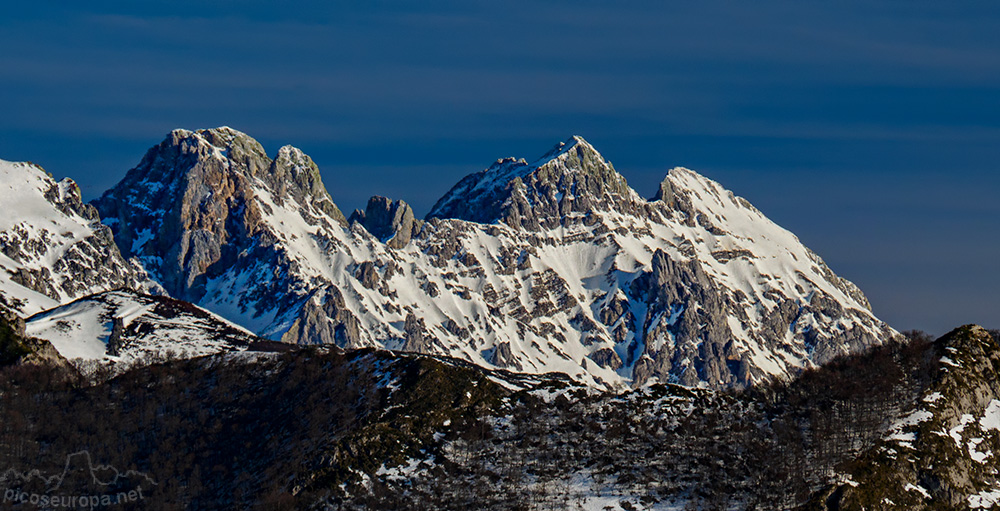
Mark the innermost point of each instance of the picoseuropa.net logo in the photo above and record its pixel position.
(80, 485)
(72, 501)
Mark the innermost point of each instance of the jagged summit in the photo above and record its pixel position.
(551, 266)
(391, 221)
(571, 178)
(564, 149)
(290, 171)
(294, 174)
(222, 137)
(199, 199)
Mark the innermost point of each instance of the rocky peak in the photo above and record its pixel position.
(173, 210)
(391, 221)
(557, 266)
(294, 175)
(237, 147)
(53, 246)
(570, 178)
(665, 193)
(577, 155)
(200, 198)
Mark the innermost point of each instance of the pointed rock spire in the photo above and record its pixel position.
(293, 174)
(392, 222)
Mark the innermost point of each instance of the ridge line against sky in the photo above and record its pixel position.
(869, 129)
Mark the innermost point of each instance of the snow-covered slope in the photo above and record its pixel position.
(53, 247)
(553, 266)
(124, 326)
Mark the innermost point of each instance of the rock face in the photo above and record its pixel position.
(392, 222)
(572, 178)
(193, 207)
(942, 453)
(325, 319)
(552, 266)
(53, 247)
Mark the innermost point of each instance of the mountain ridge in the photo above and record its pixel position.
(53, 247)
(570, 270)
(572, 177)
(368, 428)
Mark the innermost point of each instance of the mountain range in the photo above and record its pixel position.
(545, 337)
(556, 265)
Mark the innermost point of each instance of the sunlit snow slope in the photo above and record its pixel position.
(123, 326)
(53, 247)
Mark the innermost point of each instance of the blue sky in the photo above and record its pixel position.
(870, 129)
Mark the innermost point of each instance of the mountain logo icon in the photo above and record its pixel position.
(80, 484)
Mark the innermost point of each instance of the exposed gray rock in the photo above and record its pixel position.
(325, 319)
(416, 337)
(115, 340)
(607, 358)
(665, 193)
(367, 275)
(687, 344)
(571, 178)
(294, 175)
(203, 185)
(504, 358)
(525, 266)
(392, 222)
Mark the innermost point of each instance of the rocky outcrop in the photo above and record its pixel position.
(415, 335)
(16, 348)
(325, 319)
(607, 358)
(293, 176)
(207, 191)
(686, 332)
(943, 452)
(572, 178)
(116, 343)
(55, 245)
(504, 358)
(204, 215)
(392, 222)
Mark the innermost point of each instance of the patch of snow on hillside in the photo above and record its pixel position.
(985, 499)
(77, 330)
(991, 417)
(931, 398)
(956, 432)
(919, 489)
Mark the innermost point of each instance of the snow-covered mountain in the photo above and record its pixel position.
(53, 247)
(556, 265)
(124, 326)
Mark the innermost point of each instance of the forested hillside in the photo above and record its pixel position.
(375, 430)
